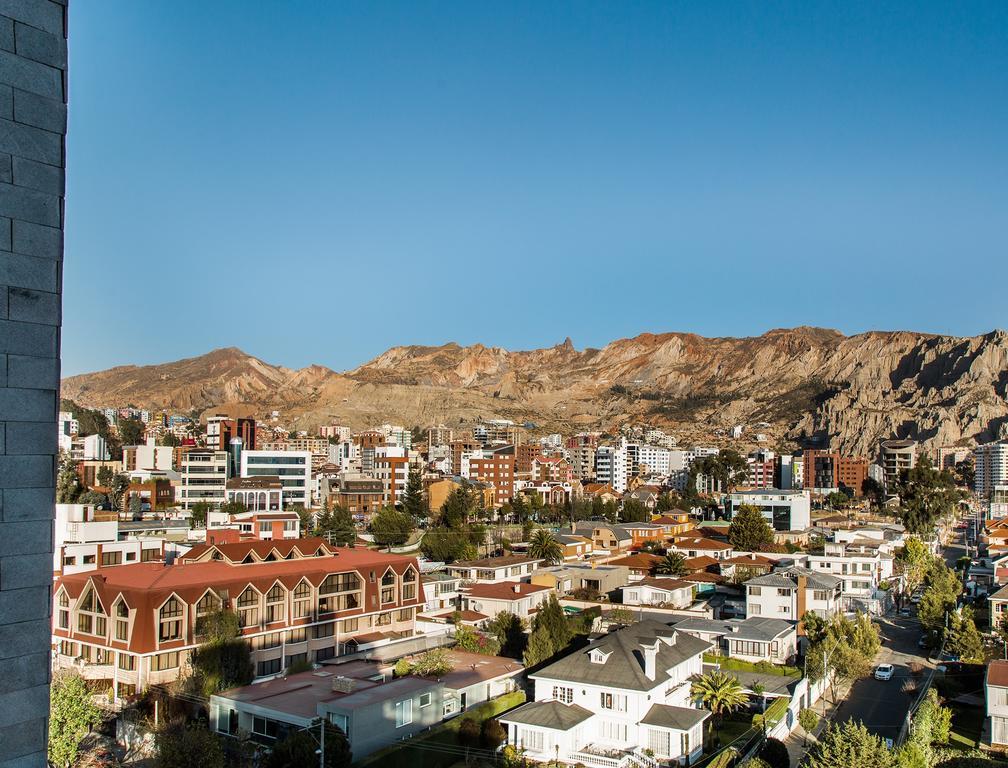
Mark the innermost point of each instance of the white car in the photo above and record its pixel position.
(884, 672)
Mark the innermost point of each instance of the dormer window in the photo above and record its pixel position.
(63, 614)
(276, 604)
(598, 656)
(91, 614)
(409, 584)
(207, 605)
(170, 620)
(121, 612)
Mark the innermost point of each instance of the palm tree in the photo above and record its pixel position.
(543, 546)
(720, 693)
(673, 564)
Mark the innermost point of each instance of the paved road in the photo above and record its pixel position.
(882, 704)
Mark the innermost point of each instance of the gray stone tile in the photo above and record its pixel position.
(31, 438)
(36, 240)
(19, 404)
(30, 306)
(34, 44)
(47, 16)
(35, 175)
(29, 272)
(28, 339)
(25, 472)
(29, 205)
(32, 109)
(31, 76)
(32, 372)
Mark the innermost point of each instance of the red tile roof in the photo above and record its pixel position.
(708, 544)
(504, 590)
(638, 560)
(700, 563)
(997, 673)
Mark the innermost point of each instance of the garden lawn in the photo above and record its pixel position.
(748, 666)
(967, 722)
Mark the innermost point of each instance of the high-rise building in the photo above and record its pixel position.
(828, 471)
(895, 457)
(991, 467)
(221, 430)
(611, 466)
(292, 467)
(204, 474)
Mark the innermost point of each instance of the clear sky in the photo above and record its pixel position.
(319, 181)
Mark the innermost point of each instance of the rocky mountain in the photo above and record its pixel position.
(801, 385)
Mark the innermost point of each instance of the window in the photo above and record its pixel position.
(269, 667)
(170, 624)
(121, 621)
(127, 662)
(111, 558)
(748, 648)
(531, 740)
(164, 661)
(382, 619)
(89, 560)
(150, 555)
(302, 601)
(820, 594)
(560, 693)
(267, 641)
(70, 560)
(297, 635)
(425, 700)
(340, 721)
(276, 606)
(262, 726)
(403, 713)
(130, 557)
(613, 730)
(613, 701)
(658, 742)
(64, 611)
(324, 630)
(388, 594)
(409, 585)
(684, 745)
(783, 592)
(406, 614)
(784, 609)
(91, 615)
(207, 605)
(754, 591)
(349, 625)
(248, 608)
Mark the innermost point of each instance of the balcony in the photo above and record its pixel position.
(598, 756)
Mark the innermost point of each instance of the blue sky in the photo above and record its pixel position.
(318, 181)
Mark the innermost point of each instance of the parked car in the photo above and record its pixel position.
(905, 612)
(884, 672)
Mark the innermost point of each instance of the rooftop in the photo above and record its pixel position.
(495, 562)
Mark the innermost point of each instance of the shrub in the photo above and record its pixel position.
(775, 754)
(469, 733)
(493, 734)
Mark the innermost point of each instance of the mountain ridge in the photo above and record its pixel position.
(807, 383)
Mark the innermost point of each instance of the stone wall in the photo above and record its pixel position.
(33, 96)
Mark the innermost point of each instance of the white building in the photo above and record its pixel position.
(862, 567)
(656, 459)
(84, 543)
(611, 466)
(203, 477)
(621, 702)
(292, 467)
(783, 510)
(896, 456)
(658, 591)
(991, 467)
(996, 693)
(790, 593)
(147, 456)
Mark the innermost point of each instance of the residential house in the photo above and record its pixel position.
(751, 639)
(659, 591)
(493, 570)
(571, 577)
(695, 547)
(998, 607)
(640, 564)
(675, 522)
(621, 702)
(746, 566)
(442, 591)
(517, 597)
(790, 593)
(996, 695)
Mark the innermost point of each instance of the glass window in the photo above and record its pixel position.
(248, 608)
(425, 700)
(403, 713)
(276, 605)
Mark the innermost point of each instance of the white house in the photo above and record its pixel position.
(996, 693)
(494, 570)
(783, 510)
(621, 702)
(667, 592)
(790, 593)
(752, 639)
(519, 598)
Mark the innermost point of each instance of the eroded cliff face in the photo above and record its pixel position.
(802, 383)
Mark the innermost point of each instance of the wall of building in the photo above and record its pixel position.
(33, 54)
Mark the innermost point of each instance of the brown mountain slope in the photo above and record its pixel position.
(804, 382)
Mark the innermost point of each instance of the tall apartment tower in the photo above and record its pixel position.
(991, 467)
(33, 64)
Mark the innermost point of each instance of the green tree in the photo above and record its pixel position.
(68, 484)
(337, 526)
(104, 475)
(442, 544)
(191, 746)
(775, 754)
(131, 431)
(391, 528)
(306, 521)
(298, 749)
(72, 714)
(469, 639)
(539, 648)
(509, 630)
(634, 511)
(808, 719)
(492, 734)
(233, 508)
(962, 638)
(93, 497)
(749, 531)
(849, 745)
(673, 564)
(222, 660)
(925, 495)
(874, 491)
(135, 507)
(469, 733)
(198, 514)
(720, 693)
(913, 561)
(544, 546)
(414, 502)
(666, 502)
(169, 440)
(432, 663)
(939, 597)
(457, 508)
(117, 490)
(552, 618)
(621, 616)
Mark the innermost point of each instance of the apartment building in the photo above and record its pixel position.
(827, 471)
(991, 467)
(761, 469)
(299, 600)
(499, 471)
(645, 459)
(85, 539)
(783, 510)
(790, 593)
(336, 432)
(360, 495)
(203, 477)
(294, 468)
(552, 469)
(147, 456)
(391, 467)
(895, 456)
(611, 466)
(222, 429)
(625, 699)
(581, 450)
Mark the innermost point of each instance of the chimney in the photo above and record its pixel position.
(650, 659)
(517, 588)
(342, 684)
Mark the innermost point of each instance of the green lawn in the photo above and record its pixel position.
(729, 729)
(439, 747)
(967, 722)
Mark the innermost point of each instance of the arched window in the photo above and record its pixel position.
(121, 613)
(64, 611)
(91, 617)
(170, 620)
(276, 604)
(302, 600)
(248, 608)
(388, 590)
(207, 604)
(409, 584)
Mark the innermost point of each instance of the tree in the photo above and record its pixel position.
(808, 719)
(233, 508)
(458, 507)
(391, 528)
(873, 490)
(68, 485)
(135, 507)
(93, 497)
(940, 595)
(849, 745)
(130, 431)
(468, 639)
(306, 521)
(191, 746)
(673, 564)
(509, 630)
(104, 475)
(493, 733)
(413, 501)
(337, 526)
(298, 749)
(775, 754)
(552, 618)
(634, 511)
(962, 638)
(621, 616)
(469, 733)
(117, 489)
(223, 660)
(441, 544)
(198, 514)
(544, 546)
(432, 663)
(838, 500)
(720, 693)
(72, 714)
(749, 530)
(169, 440)
(913, 561)
(667, 502)
(539, 648)
(925, 495)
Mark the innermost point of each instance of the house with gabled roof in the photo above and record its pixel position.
(621, 702)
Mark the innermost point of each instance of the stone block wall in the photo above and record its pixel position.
(33, 98)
